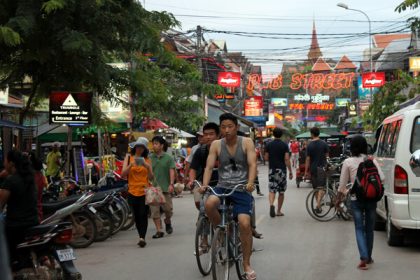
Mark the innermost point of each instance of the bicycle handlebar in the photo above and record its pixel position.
(220, 195)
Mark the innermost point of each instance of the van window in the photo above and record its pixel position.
(415, 136)
(396, 127)
(382, 146)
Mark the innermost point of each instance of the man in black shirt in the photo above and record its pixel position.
(278, 156)
(316, 161)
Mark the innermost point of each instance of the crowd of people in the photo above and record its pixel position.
(221, 159)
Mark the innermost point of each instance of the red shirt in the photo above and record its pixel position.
(295, 147)
(41, 183)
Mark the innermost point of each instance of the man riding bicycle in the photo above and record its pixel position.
(236, 165)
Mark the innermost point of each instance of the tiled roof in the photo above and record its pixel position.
(321, 65)
(345, 63)
(383, 40)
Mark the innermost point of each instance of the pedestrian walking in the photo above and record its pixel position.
(40, 182)
(278, 156)
(294, 148)
(53, 162)
(316, 163)
(364, 211)
(138, 170)
(163, 166)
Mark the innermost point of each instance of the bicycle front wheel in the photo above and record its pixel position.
(323, 211)
(220, 255)
(203, 236)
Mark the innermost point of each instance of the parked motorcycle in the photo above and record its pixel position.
(45, 254)
(71, 210)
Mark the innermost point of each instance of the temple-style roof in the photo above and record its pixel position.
(321, 65)
(314, 52)
(383, 40)
(345, 63)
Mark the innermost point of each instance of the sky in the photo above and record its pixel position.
(291, 17)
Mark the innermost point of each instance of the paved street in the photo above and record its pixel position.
(294, 247)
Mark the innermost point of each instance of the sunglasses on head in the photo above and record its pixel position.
(233, 163)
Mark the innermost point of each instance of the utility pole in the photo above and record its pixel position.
(199, 32)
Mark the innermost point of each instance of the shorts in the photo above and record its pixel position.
(242, 201)
(277, 180)
(319, 178)
(167, 208)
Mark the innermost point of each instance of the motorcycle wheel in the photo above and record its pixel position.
(130, 220)
(84, 230)
(104, 224)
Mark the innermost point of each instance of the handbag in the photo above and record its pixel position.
(154, 196)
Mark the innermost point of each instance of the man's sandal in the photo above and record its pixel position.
(250, 275)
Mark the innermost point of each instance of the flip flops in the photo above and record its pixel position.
(250, 275)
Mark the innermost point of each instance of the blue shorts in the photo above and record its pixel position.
(242, 201)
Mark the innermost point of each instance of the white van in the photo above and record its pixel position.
(397, 139)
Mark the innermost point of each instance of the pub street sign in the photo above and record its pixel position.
(71, 108)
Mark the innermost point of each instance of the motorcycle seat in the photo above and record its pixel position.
(99, 196)
(335, 176)
(51, 207)
(39, 230)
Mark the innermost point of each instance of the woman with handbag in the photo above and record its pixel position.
(364, 212)
(138, 170)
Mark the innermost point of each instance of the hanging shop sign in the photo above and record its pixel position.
(279, 102)
(229, 79)
(304, 81)
(310, 106)
(222, 97)
(342, 102)
(352, 109)
(259, 120)
(414, 63)
(72, 108)
(4, 96)
(373, 79)
(317, 98)
(364, 93)
(254, 106)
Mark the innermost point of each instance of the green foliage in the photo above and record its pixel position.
(414, 22)
(387, 100)
(9, 37)
(53, 5)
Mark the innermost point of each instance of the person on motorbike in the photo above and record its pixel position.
(19, 193)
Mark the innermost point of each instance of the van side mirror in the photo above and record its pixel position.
(415, 163)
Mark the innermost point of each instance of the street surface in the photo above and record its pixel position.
(294, 247)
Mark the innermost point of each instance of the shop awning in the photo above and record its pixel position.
(10, 124)
(214, 112)
(308, 135)
(182, 133)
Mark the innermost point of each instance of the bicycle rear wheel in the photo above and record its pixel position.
(220, 255)
(203, 237)
(327, 210)
(239, 261)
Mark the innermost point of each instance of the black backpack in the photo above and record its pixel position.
(367, 185)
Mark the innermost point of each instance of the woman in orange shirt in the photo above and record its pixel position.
(138, 170)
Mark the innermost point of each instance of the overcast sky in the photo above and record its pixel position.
(292, 17)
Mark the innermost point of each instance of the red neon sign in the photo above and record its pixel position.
(300, 106)
(373, 79)
(304, 81)
(229, 79)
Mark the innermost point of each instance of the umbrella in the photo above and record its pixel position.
(153, 124)
(308, 135)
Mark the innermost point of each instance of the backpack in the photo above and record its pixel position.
(368, 185)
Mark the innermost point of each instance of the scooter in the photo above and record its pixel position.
(72, 210)
(45, 254)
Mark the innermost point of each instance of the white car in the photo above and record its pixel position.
(398, 138)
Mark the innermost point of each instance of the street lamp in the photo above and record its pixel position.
(345, 6)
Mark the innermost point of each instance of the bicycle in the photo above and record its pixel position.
(226, 248)
(203, 234)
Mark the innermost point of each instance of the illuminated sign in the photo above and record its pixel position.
(70, 107)
(373, 79)
(317, 98)
(254, 106)
(364, 93)
(279, 102)
(342, 102)
(414, 63)
(300, 106)
(229, 79)
(304, 81)
(352, 109)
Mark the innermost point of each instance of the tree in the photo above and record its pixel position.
(387, 100)
(412, 5)
(68, 45)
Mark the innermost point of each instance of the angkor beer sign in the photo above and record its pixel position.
(229, 79)
(304, 81)
(70, 107)
(373, 79)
